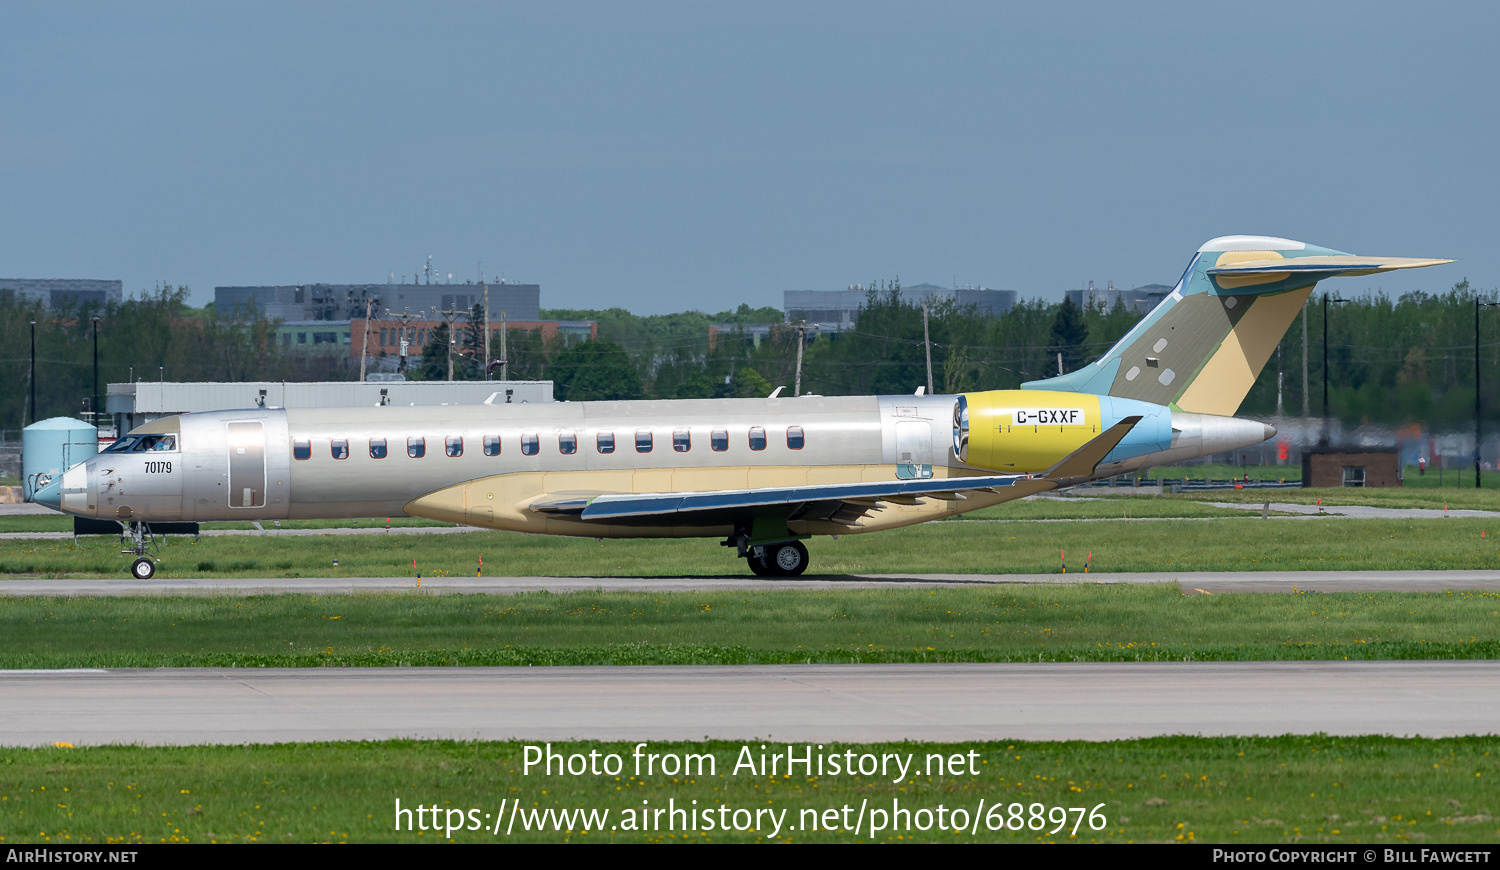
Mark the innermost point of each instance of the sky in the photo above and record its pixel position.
(665, 156)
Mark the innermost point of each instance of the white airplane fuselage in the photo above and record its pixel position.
(487, 465)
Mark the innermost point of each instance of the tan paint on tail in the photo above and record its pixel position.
(1227, 377)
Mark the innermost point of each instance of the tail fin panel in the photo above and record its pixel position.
(1202, 348)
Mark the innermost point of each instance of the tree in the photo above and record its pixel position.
(435, 355)
(748, 384)
(595, 370)
(1070, 336)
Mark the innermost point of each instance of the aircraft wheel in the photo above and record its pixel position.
(143, 569)
(760, 566)
(787, 560)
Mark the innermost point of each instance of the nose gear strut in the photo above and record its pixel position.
(141, 539)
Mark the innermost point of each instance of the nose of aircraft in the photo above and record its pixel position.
(1270, 431)
(50, 495)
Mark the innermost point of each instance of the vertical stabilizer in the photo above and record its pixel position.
(1202, 348)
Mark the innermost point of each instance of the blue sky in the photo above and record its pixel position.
(666, 156)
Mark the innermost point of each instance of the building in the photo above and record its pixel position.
(331, 317)
(135, 404)
(63, 292)
(839, 309)
(385, 334)
(1139, 300)
(756, 332)
(301, 303)
(1351, 466)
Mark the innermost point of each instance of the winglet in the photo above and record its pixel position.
(1084, 461)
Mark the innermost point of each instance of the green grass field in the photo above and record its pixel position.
(982, 544)
(1083, 622)
(1180, 789)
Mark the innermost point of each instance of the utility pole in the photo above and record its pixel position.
(1325, 438)
(504, 351)
(486, 342)
(1306, 410)
(449, 316)
(1278, 380)
(405, 317)
(364, 347)
(1478, 434)
(797, 384)
(927, 343)
(31, 372)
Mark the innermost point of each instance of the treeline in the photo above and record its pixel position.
(1389, 360)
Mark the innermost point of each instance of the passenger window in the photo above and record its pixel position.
(757, 438)
(377, 448)
(453, 445)
(567, 443)
(492, 445)
(416, 448)
(794, 437)
(682, 441)
(339, 447)
(642, 441)
(530, 444)
(719, 440)
(301, 449)
(606, 442)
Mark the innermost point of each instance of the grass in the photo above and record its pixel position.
(1081, 622)
(976, 545)
(1175, 473)
(1309, 790)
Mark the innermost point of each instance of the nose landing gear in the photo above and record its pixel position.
(144, 567)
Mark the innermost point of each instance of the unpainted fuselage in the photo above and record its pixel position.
(491, 465)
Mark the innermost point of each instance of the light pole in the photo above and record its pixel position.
(1477, 474)
(1336, 301)
(95, 408)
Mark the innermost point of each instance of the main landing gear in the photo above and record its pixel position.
(781, 559)
(786, 559)
(143, 568)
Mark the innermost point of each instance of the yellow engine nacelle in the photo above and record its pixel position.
(1023, 430)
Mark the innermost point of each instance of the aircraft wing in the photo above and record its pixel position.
(837, 502)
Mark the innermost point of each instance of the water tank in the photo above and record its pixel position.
(50, 447)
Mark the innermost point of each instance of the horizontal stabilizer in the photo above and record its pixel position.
(1323, 266)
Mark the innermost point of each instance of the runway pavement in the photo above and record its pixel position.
(789, 703)
(1204, 582)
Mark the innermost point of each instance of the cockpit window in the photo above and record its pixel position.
(155, 444)
(122, 445)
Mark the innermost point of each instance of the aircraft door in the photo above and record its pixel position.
(913, 450)
(247, 465)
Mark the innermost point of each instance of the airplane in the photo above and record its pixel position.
(762, 474)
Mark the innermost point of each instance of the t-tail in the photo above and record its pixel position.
(1202, 348)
